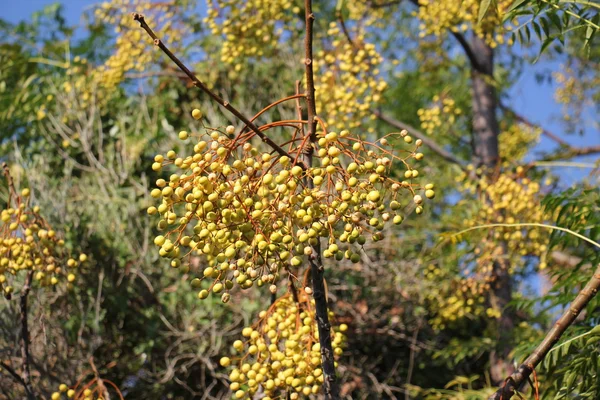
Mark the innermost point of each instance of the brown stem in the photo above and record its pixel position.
(330, 385)
(26, 373)
(520, 376)
(140, 18)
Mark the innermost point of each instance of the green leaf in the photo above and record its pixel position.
(483, 9)
(545, 45)
(513, 7)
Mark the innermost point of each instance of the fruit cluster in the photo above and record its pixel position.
(442, 112)
(348, 85)
(458, 299)
(512, 199)
(253, 213)
(439, 16)
(133, 48)
(29, 244)
(516, 141)
(281, 352)
(91, 391)
(250, 28)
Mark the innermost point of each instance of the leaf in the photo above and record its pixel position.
(546, 43)
(537, 30)
(483, 9)
(513, 7)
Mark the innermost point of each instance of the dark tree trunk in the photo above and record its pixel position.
(485, 121)
(486, 155)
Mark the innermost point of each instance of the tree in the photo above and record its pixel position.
(437, 314)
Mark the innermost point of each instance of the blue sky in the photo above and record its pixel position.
(534, 101)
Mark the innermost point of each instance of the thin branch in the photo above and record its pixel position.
(420, 135)
(25, 337)
(330, 385)
(527, 122)
(568, 151)
(520, 376)
(140, 18)
(573, 152)
(13, 373)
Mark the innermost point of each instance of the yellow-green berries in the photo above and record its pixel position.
(282, 353)
(250, 215)
(196, 114)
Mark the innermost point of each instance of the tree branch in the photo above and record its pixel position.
(520, 376)
(13, 373)
(465, 46)
(468, 51)
(26, 373)
(568, 152)
(420, 135)
(527, 122)
(140, 18)
(330, 385)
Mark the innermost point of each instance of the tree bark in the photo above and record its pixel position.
(485, 105)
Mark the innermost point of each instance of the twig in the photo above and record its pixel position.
(25, 375)
(420, 135)
(527, 122)
(13, 373)
(140, 18)
(568, 151)
(516, 380)
(330, 385)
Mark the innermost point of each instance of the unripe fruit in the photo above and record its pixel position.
(196, 114)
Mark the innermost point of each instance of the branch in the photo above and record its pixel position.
(13, 373)
(330, 385)
(520, 376)
(140, 18)
(527, 122)
(25, 337)
(465, 46)
(573, 152)
(420, 135)
(568, 152)
(468, 52)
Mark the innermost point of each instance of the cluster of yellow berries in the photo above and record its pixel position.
(513, 199)
(64, 392)
(250, 28)
(348, 85)
(29, 244)
(509, 199)
(442, 113)
(363, 10)
(462, 300)
(439, 16)
(281, 353)
(571, 91)
(133, 48)
(252, 213)
(516, 141)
